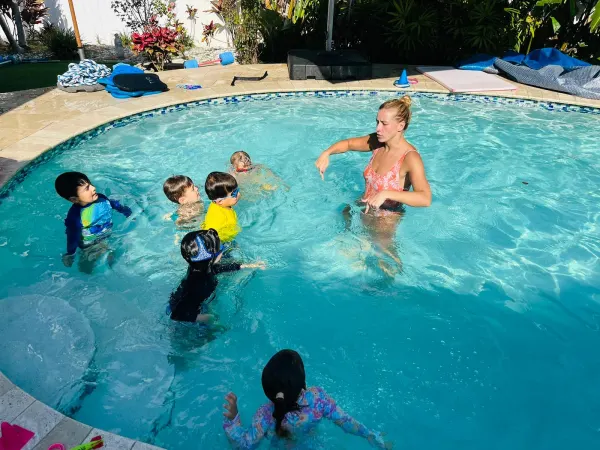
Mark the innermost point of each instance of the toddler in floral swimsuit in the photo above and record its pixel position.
(292, 407)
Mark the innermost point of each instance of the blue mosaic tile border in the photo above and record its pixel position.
(482, 99)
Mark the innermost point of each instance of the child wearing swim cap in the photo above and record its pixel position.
(292, 407)
(203, 251)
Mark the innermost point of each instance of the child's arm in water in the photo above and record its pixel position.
(232, 267)
(346, 422)
(125, 210)
(73, 230)
(246, 438)
(204, 318)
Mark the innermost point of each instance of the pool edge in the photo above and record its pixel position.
(50, 426)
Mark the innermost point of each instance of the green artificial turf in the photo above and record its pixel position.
(17, 77)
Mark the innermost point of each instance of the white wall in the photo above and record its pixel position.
(97, 21)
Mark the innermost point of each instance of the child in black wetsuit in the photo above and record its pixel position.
(202, 250)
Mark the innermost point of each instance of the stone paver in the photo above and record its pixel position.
(5, 383)
(13, 403)
(11, 100)
(40, 419)
(68, 432)
(111, 441)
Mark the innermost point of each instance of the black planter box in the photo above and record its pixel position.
(322, 65)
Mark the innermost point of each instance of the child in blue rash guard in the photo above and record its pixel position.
(89, 220)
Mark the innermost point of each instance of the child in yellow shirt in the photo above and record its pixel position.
(223, 191)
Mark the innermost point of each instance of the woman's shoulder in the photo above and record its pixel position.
(412, 153)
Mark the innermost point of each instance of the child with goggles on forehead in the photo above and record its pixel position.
(203, 251)
(223, 191)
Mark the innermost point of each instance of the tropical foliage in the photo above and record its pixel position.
(419, 31)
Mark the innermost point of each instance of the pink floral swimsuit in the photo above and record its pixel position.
(314, 404)
(390, 181)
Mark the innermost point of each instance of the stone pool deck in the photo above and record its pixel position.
(48, 120)
(50, 426)
(44, 122)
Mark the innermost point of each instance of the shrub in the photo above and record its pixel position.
(136, 14)
(60, 42)
(158, 44)
(125, 39)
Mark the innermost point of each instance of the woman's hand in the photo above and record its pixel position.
(376, 200)
(231, 406)
(322, 163)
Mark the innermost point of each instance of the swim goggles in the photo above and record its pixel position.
(203, 253)
(233, 194)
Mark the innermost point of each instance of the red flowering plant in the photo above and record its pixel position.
(158, 43)
(191, 12)
(208, 32)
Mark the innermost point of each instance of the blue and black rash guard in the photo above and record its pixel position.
(88, 224)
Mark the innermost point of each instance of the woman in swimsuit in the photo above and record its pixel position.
(394, 167)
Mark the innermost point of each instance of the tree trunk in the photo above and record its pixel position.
(16, 13)
(9, 35)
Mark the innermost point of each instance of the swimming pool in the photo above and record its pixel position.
(487, 339)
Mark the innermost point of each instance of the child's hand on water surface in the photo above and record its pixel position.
(378, 441)
(68, 260)
(257, 265)
(231, 406)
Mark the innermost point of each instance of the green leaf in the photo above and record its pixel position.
(548, 2)
(573, 8)
(595, 19)
(555, 24)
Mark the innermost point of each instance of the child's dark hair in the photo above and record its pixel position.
(66, 184)
(283, 379)
(175, 186)
(189, 247)
(219, 185)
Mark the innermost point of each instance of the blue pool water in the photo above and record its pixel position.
(488, 339)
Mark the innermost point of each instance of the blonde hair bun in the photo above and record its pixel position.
(402, 107)
(406, 100)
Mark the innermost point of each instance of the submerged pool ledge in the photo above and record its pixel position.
(55, 117)
(19, 408)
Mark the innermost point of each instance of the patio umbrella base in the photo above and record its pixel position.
(322, 65)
